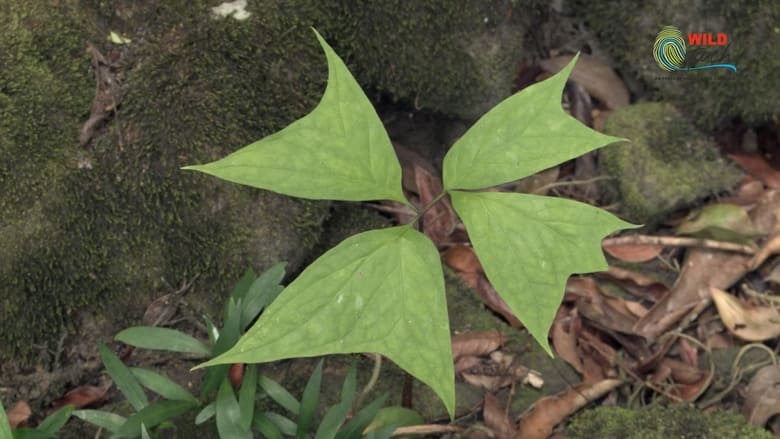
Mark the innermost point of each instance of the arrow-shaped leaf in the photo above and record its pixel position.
(380, 291)
(529, 245)
(339, 151)
(524, 134)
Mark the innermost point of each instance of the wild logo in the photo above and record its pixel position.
(669, 50)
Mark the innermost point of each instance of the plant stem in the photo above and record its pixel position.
(371, 381)
(427, 207)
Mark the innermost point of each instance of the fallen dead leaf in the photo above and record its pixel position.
(490, 297)
(499, 371)
(550, 411)
(476, 343)
(751, 324)
(758, 167)
(19, 414)
(564, 341)
(633, 252)
(762, 398)
(466, 362)
(462, 258)
(438, 221)
(598, 78)
(771, 247)
(82, 396)
(497, 419)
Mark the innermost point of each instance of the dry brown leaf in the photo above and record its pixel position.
(636, 283)
(438, 221)
(691, 392)
(751, 324)
(762, 398)
(564, 341)
(633, 252)
(550, 411)
(462, 258)
(757, 166)
(635, 308)
(476, 343)
(490, 297)
(497, 419)
(82, 396)
(599, 79)
(771, 247)
(688, 353)
(466, 362)
(499, 371)
(19, 414)
(748, 192)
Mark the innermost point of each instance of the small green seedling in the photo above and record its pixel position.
(382, 291)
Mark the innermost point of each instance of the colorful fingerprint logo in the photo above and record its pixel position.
(669, 52)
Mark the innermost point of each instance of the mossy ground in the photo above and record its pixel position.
(658, 422)
(666, 165)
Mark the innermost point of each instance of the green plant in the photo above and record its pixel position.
(382, 291)
(47, 429)
(235, 415)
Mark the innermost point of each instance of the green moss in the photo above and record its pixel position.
(627, 30)
(457, 58)
(666, 165)
(112, 234)
(657, 422)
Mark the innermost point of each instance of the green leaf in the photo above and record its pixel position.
(395, 416)
(723, 222)
(110, 421)
(161, 385)
(379, 291)
(280, 395)
(144, 432)
(309, 401)
(5, 426)
(123, 378)
(361, 419)
(339, 151)
(152, 415)
(336, 415)
(152, 337)
(529, 245)
(206, 413)
(55, 421)
(262, 292)
(246, 396)
(267, 428)
(229, 414)
(243, 285)
(524, 134)
(283, 423)
(30, 433)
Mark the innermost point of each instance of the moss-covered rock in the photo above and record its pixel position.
(628, 30)
(666, 164)
(108, 225)
(657, 422)
(458, 58)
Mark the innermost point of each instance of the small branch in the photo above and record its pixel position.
(427, 429)
(678, 241)
(422, 211)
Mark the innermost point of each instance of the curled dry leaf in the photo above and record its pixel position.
(598, 78)
(550, 411)
(564, 341)
(762, 398)
(476, 343)
(497, 419)
(751, 324)
(462, 258)
(633, 252)
(19, 414)
(82, 396)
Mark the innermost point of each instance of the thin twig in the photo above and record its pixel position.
(427, 429)
(555, 184)
(679, 241)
